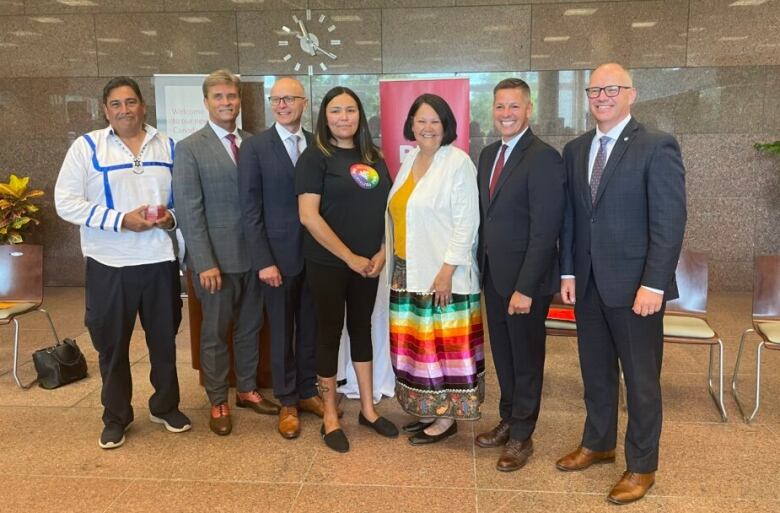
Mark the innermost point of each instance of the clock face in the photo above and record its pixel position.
(309, 43)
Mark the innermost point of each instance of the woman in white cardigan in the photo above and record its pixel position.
(436, 339)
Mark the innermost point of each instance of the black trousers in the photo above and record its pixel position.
(606, 335)
(238, 301)
(333, 288)
(292, 326)
(518, 346)
(114, 297)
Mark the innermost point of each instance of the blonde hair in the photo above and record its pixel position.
(220, 76)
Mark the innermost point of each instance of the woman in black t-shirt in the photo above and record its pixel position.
(342, 185)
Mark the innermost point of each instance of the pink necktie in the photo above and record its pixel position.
(233, 146)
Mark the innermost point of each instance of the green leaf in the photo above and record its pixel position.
(19, 222)
(773, 147)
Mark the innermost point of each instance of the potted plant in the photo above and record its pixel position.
(17, 210)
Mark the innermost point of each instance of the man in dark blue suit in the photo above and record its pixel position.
(275, 237)
(521, 198)
(620, 243)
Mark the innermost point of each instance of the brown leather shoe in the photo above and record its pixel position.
(316, 405)
(515, 455)
(257, 402)
(496, 437)
(582, 458)
(631, 487)
(219, 420)
(289, 424)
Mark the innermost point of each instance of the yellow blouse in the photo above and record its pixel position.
(397, 208)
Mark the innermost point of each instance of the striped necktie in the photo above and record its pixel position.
(598, 167)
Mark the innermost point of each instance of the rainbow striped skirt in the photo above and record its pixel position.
(437, 355)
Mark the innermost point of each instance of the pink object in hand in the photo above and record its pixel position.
(152, 213)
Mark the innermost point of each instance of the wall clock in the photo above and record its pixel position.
(309, 41)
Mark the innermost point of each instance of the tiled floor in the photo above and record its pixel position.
(50, 461)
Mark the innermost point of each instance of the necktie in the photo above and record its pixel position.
(598, 167)
(293, 148)
(497, 170)
(233, 146)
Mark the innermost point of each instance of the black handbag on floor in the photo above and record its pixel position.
(59, 365)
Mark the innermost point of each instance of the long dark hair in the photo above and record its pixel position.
(362, 138)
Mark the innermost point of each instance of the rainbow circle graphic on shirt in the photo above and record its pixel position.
(365, 176)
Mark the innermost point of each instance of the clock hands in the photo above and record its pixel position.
(305, 36)
(311, 41)
(323, 51)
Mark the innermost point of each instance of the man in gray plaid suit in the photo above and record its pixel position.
(205, 188)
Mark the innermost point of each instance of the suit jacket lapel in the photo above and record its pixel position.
(517, 155)
(484, 173)
(221, 157)
(625, 138)
(581, 171)
(281, 151)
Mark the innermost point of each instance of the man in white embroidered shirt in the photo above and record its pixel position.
(115, 183)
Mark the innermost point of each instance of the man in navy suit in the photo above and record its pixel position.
(275, 238)
(521, 198)
(620, 243)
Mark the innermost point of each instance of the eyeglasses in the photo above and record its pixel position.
(611, 91)
(289, 100)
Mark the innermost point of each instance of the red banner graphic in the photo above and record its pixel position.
(395, 98)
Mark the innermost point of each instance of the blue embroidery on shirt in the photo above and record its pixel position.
(103, 222)
(105, 170)
(91, 213)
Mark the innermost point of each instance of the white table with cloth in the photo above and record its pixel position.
(384, 378)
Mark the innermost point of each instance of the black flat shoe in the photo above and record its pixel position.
(416, 426)
(422, 438)
(335, 440)
(381, 425)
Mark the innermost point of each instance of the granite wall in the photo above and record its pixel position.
(706, 70)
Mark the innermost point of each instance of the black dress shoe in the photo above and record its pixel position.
(423, 438)
(336, 439)
(416, 426)
(381, 425)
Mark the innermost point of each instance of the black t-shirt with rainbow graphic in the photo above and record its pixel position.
(353, 196)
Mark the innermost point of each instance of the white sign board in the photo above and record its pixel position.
(179, 105)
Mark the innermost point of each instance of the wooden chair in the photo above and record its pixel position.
(21, 290)
(685, 320)
(766, 322)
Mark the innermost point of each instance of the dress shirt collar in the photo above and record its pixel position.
(221, 132)
(615, 132)
(285, 134)
(511, 143)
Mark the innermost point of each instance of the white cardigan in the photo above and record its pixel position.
(442, 220)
